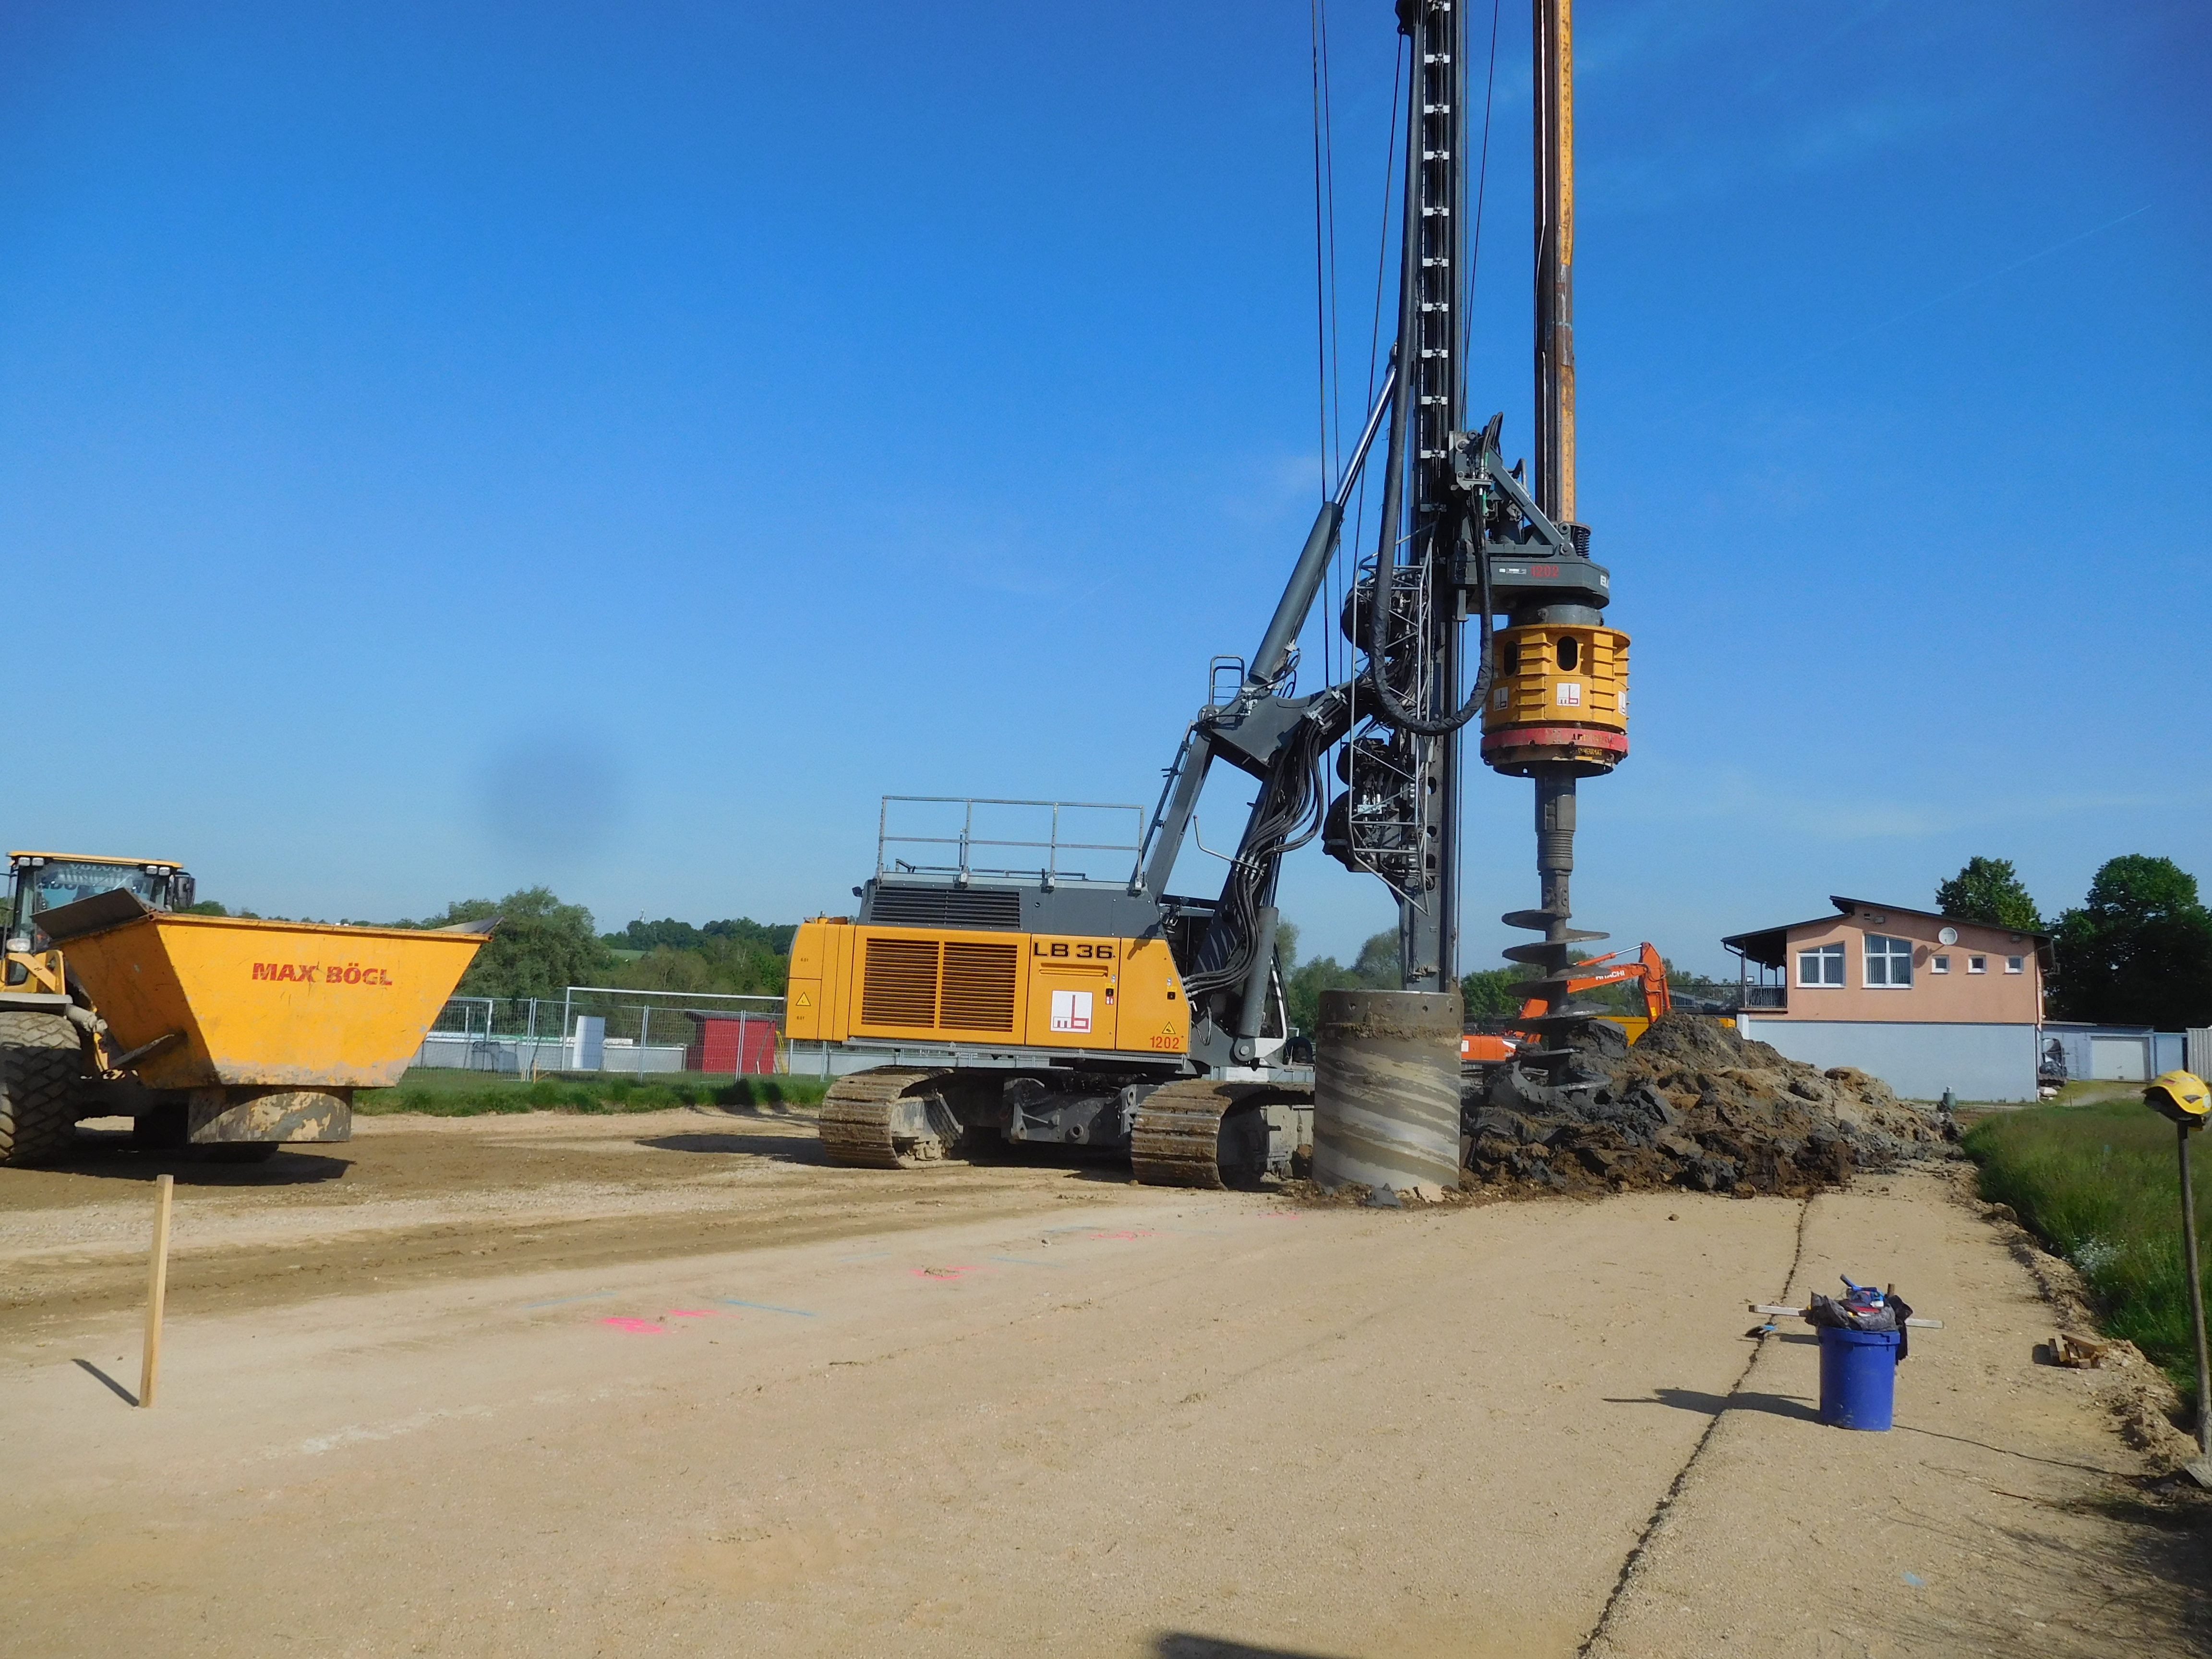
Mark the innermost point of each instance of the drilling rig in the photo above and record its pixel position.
(1559, 712)
(1034, 1006)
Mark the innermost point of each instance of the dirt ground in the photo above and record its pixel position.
(666, 1384)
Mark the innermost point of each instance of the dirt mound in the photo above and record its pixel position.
(1691, 1105)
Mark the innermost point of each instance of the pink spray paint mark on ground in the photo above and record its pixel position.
(1141, 1232)
(946, 1274)
(689, 1313)
(636, 1326)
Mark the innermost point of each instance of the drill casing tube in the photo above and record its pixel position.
(1385, 1088)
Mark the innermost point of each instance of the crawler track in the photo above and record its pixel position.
(1197, 1133)
(891, 1118)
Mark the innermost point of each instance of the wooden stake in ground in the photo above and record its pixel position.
(2196, 1296)
(157, 1289)
(2183, 1099)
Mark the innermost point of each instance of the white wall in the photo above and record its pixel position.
(452, 1050)
(1919, 1058)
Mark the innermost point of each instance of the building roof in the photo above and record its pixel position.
(1767, 946)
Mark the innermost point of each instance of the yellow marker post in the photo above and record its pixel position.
(2182, 1097)
(157, 1290)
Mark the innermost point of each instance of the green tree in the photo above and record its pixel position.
(1988, 890)
(1495, 993)
(1378, 963)
(1683, 982)
(2138, 951)
(719, 964)
(540, 947)
(1376, 968)
(740, 956)
(773, 937)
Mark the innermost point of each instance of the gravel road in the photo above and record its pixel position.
(558, 1385)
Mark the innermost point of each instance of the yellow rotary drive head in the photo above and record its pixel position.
(2180, 1095)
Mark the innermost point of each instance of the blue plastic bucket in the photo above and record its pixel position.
(1858, 1377)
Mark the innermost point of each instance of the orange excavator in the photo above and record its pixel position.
(1478, 1048)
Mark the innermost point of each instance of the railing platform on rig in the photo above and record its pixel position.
(1048, 824)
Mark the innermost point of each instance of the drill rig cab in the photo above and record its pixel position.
(1045, 1004)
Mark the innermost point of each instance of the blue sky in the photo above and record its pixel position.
(444, 449)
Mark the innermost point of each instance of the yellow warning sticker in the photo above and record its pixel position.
(805, 1000)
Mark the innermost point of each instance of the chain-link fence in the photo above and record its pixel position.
(599, 1029)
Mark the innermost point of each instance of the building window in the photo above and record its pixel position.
(2016, 964)
(1977, 964)
(1888, 961)
(1939, 964)
(1821, 965)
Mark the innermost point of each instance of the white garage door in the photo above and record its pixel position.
(2118, 1059)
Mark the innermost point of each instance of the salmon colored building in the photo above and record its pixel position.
(1926, 1002)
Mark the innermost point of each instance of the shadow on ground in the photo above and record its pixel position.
(1712, 1405)
(113, 1387)
(785, 1149)
(2147, 1594)
(111, 1155)
(1183, 1645)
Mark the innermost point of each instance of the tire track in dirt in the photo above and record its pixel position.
(1660, 1511)
(423, 1203)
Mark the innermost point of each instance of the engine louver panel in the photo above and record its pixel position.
(895, 905)
(979, 987)
(898, 985)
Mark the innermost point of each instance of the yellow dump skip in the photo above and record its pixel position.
(233, 1002)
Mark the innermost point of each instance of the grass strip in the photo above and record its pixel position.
(472, 1094)
(2099, 1185)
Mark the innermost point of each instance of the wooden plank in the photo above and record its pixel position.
(157, 1290)
(1916, 1324)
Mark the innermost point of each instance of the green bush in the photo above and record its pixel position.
(472, 1095)
(2099, 1185)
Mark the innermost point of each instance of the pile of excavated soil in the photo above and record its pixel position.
(1691, 1105)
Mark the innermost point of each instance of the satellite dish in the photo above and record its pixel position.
(1948, 936)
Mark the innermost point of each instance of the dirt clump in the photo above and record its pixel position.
(1691, 1105)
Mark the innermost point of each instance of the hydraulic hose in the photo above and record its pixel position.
(1396, 714)
(1393, 712)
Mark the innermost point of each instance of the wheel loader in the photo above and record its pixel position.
(54, 1061)
(230, 1034)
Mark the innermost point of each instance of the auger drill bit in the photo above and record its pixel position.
(1561, 1021)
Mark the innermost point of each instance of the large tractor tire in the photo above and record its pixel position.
(38, 1066)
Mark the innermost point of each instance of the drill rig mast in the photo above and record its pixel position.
(1552, 687)
(957, 981)
(1459, 533)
